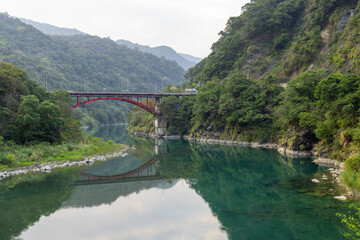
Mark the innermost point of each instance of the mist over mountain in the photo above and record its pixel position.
(85, 63)
(186, 61)
(52, 30)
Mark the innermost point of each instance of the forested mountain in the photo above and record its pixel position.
(280, 41)
(184, 60)
(52, 30)
(284, 71)
(84, 62)
(283, 38)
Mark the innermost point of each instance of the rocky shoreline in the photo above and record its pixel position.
(336, 167)
(50, 166)
(318, 160)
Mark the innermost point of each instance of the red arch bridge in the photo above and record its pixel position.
(148, 101)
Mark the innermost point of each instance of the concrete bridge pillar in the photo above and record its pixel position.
(157, 104)
(160, 126)
(159, 123)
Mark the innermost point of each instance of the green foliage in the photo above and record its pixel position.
(177, 112)
(265, 25)
(30, 114)
(14, 155)
(338, 103)
(353, 163)
(140, 120)
(299, 102)
(352, 222)
(325, 130)
(84, 63)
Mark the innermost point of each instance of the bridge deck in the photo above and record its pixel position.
(129, 94)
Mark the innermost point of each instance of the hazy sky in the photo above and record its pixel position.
(188, 26)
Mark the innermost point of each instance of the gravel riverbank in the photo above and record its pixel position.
(50, 166)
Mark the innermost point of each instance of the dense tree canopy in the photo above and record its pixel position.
(30, 114)
(311, 49)
(84, 63)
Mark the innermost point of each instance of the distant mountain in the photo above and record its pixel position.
(190, 58)
(85, 63)
(52, 30)
(184, 60)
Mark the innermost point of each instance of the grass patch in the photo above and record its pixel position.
(351, 175)
(13, 155)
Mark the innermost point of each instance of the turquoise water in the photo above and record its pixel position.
(174, 190)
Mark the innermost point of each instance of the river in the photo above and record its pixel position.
(175, 190)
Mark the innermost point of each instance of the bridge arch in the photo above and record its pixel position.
(139, 104)
(144, 170)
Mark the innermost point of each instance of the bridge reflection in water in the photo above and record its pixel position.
(147, 171)
(95, 189)
(105, 182)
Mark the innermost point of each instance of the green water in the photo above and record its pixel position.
(189, 191)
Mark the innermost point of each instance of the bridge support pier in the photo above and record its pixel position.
(160, 126)
(159, 123)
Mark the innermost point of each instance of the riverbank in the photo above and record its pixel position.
(50, 166)
(331, 176)
(311, 154)
(14, 156)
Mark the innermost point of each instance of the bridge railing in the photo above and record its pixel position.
(134, 94)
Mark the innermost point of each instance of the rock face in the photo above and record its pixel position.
(305, 142)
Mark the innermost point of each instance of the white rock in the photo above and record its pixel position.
(342, 198)
(315, 181)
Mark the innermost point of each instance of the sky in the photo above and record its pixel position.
(188, 26)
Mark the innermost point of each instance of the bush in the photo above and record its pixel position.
(11, 160)
(353, 163)
(325, 131)
(352, 222)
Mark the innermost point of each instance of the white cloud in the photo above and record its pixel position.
(174, 213)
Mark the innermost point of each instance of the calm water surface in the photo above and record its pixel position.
(174, 190)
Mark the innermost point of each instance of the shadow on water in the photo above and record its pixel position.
(254, 193)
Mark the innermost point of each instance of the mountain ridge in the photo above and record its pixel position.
(85, 63)
(186, 61)
(51, 29)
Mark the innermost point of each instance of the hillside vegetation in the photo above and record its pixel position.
(84, 63)
(284, 71)
(36, 126)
